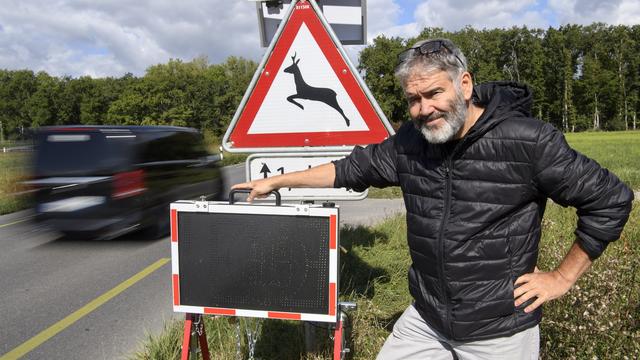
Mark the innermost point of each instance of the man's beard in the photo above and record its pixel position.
(453, 120)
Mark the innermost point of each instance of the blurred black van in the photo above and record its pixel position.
(104, 181)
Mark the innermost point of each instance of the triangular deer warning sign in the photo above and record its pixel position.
(305, 94)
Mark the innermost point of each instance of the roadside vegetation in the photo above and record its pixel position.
(14, 169)
(214, 145)
(583, 77)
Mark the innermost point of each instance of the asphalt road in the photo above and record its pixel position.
(74, 299)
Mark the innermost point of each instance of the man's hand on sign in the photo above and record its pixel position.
(321, 176)
(259, 188)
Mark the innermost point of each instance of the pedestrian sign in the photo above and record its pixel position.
(305, 94)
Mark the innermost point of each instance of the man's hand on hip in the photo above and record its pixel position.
(544, 286)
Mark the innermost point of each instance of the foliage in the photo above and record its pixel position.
(377, 63)
(582, 77)
(194, 94)
(599, 317)
(385, 193)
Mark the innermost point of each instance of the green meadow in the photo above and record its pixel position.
(618, 151)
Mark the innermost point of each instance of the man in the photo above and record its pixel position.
(476, 172)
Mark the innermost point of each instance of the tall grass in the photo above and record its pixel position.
(14, 169)
(600, 317)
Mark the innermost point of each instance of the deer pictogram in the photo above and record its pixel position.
(307, 92)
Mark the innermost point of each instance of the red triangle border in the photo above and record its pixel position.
(240, 138)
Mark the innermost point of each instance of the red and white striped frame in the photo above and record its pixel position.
(213, 207)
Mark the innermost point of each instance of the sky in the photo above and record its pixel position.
(101, 38)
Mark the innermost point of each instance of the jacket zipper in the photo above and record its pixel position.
(445, 219)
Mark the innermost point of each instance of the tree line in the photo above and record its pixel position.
(582, 77)
(194, 94)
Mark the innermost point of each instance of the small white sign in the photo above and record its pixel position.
(261, 166)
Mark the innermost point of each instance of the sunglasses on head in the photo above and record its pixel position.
(426, 49)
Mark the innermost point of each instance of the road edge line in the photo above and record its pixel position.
(15, 222)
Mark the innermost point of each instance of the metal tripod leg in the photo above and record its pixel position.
(340, 336)
(193, 324)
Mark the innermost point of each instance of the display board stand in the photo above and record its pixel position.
(194, 324)
(281, 234)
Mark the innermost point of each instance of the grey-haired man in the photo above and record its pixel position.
(476, 172)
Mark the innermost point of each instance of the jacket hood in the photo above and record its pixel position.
(500, 100)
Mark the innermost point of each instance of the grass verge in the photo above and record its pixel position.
(14, 169)
(617, 151)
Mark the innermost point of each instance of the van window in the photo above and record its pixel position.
(60, 153)
(167, 146)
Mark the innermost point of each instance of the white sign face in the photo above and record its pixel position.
(298, 115)
(261, 166)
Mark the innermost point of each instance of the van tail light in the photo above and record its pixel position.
(127, 184)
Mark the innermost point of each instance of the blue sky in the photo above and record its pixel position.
(407, 8)
(113, 37)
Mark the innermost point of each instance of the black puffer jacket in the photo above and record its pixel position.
(474, 209)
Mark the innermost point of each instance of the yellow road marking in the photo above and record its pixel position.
(15, 222)
(54, 329)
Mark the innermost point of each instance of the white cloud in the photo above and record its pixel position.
(381, 15)
(613, 12)
(98, 38)
(455, 14)
(112, 37)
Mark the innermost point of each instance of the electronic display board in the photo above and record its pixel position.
(255, 260)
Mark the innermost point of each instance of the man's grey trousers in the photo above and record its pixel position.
(413, 339)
